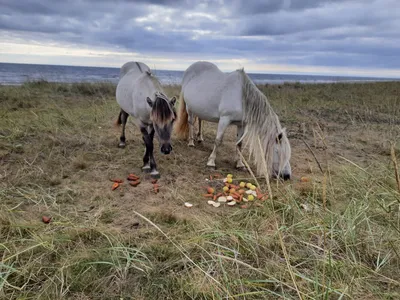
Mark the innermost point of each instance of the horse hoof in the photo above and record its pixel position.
(155, 175)
(121, 145)
(241, 168)
(211, 166)
(191, 144)
(146, 169)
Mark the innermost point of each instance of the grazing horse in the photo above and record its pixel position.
(211, 95)
(141, 95)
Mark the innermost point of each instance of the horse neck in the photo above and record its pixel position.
(262, 124)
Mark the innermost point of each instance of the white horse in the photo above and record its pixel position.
(211, 95)
(140, 95)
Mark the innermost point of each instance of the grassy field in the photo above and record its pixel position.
(334, 237)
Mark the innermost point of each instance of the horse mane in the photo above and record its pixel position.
(261, 122)
(162, 112)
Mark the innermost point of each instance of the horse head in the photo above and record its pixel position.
(163, 116)
(281, 156)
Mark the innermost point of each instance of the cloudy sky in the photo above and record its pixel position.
(341, 37)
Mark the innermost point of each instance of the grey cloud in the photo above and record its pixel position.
(318, 18)
(310, 32)
(245, 7)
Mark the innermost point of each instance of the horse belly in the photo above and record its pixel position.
(203, 108)
(204, 103)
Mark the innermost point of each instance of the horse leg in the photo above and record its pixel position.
(222, 125)
(149, 163)
(200, 133)
(123, 119)
(191, 125)
(239, 163)
(146, 158)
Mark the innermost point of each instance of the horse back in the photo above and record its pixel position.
(133, 67)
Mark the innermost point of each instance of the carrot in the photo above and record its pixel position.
(133, 177)
(210, 190)
(215, 197)
(156, 188)
(115, 186)
(235, 197)
(243, 206)
(134, 183)
(236, 194)
(219, 195)
(208, 195)
(154, 181)
(259, 194)
(46, 219)
(117, 180)
(211, 178)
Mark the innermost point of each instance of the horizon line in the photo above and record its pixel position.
(175, 70)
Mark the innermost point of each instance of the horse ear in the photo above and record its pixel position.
(279, 137)
(149, 102)
(173, 100)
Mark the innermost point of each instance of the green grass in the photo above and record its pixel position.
(335, 237)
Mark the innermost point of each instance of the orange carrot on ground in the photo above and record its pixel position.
(208, 195)
(235, 194)
(116, 180)
(46, 219)
(156, 188)
(115, 185)
(215, 197)
(133, 177)
(134, 183)
(210, 190)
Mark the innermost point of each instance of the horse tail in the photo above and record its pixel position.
(182, 125)
(119, 120)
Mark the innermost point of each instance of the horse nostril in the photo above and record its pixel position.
(286, 176)
(166, 149)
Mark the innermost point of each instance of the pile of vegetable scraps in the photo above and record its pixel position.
(233, 193)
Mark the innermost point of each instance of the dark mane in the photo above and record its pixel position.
(162, 112)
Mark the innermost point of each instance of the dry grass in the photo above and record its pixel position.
(336, 237)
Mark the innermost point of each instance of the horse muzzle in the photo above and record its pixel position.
(284, 176)
(166, 149)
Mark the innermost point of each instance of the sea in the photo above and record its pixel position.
(16, 74)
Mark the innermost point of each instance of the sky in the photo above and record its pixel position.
(327, 37)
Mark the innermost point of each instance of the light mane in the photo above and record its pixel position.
(261, 122)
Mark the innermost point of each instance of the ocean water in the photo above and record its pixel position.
(14, 74)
